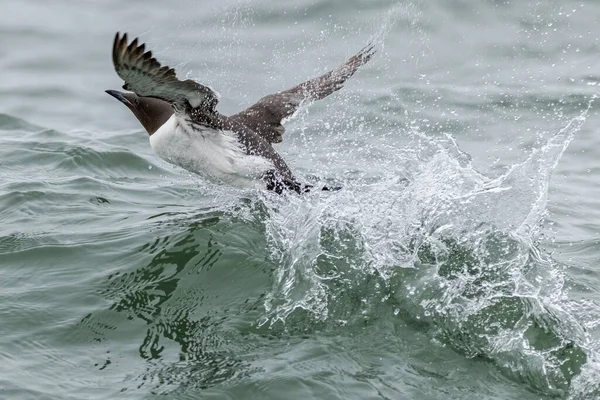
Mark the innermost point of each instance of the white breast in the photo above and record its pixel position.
(207, 152)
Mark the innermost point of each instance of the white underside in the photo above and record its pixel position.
(208, 152)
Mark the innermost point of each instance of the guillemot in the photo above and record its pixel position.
(185, 128)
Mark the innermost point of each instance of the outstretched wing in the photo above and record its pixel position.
(267, 115)
(145, 76)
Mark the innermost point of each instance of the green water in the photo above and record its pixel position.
(459, 261)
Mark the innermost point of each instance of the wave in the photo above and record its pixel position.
(445, 247)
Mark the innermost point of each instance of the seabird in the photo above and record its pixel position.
(185, 128)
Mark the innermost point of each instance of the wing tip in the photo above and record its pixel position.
(119, 48)
(134, 54)
(367, 52)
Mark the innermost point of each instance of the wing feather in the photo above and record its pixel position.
(267, 115)
(145, 76)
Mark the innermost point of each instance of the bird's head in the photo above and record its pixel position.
(152, 113)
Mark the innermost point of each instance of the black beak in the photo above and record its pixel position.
(119, 96)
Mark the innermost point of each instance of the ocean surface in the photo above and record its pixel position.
(459, 261)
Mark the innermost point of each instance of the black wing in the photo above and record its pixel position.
(145, 76)
(267, 115)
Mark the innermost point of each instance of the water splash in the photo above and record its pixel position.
(408, 13)
(451, 248)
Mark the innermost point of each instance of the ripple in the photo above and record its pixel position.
(190, 340)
